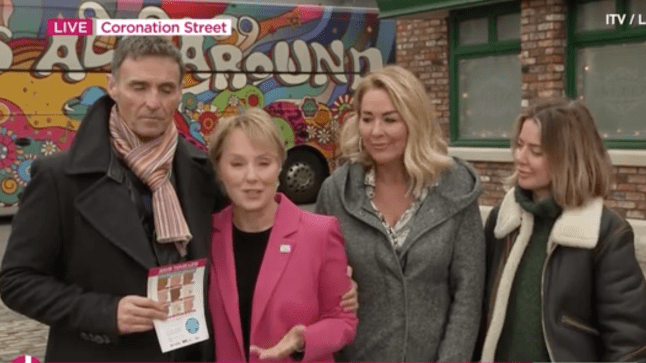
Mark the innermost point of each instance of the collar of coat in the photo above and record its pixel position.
(455, 189)
(575, 227)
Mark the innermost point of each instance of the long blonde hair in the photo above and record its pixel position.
(425, 156)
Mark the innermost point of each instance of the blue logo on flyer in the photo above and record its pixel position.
(192, 325)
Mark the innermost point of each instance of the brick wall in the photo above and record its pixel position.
(542, 50)
(628, 195)
(492, 177)
(422, 47)
(629, 192)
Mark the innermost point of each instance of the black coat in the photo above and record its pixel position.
(593, 294)
(77, 246)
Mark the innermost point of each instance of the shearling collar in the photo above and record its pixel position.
(575, 227)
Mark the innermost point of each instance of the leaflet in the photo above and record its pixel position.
(181, 288)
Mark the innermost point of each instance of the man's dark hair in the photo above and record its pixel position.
(141, 46)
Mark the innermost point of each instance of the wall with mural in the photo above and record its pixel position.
(300, 63)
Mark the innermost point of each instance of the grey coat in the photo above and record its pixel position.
(426, 304)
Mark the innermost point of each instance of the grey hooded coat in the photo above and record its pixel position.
(425, 304)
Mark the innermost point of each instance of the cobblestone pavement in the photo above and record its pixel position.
(19, 335)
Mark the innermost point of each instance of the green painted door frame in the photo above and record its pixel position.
(396, 8)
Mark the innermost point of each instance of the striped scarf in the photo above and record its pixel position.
(151, 162)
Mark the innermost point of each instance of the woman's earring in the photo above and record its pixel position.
(360, 145)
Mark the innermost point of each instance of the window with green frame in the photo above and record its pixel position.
(484, 74)
(606, 67)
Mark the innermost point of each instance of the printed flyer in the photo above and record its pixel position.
(181, 288)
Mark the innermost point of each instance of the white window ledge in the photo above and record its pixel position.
(618, 157)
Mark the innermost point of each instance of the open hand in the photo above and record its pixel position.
(292, 341)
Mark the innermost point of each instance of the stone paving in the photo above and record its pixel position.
(19, 335)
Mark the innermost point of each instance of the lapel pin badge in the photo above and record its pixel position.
(285, 248)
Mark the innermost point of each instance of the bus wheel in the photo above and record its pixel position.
(302, 176)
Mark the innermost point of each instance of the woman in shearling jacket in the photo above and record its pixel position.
(563, 283)
(413, 231)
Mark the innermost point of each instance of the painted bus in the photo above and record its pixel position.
(300, 63)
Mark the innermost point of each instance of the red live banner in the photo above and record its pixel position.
(69, 27)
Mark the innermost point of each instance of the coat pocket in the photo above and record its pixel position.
(577, 324)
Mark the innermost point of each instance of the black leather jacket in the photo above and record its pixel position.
(593, 297)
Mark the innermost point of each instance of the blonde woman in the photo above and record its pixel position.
(563, 283)
(412, 226)
(278, 272)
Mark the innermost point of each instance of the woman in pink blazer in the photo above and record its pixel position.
(278, 272)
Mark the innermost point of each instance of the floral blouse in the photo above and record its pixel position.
(396, 234)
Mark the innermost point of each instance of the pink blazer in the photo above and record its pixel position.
(301, 281)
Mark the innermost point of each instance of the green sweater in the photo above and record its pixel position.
(522, 335)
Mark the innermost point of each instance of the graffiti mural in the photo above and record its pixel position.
(299, 63)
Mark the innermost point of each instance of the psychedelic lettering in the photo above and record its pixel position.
(300, 63)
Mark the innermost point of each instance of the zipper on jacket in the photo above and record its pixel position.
(403, 279)
(574, 323)
(363, 213)
(407, 317)
(547, 343)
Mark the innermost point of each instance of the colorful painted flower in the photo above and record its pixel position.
(309, 107)
(324, 136)
(9, 153)
(311, 132)
(23, 173)
(189, 101)
(341, 106)
(208, 120)
(234, 101)
(48, 148)
(294, 20)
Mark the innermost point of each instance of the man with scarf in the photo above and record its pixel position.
(128, 196)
